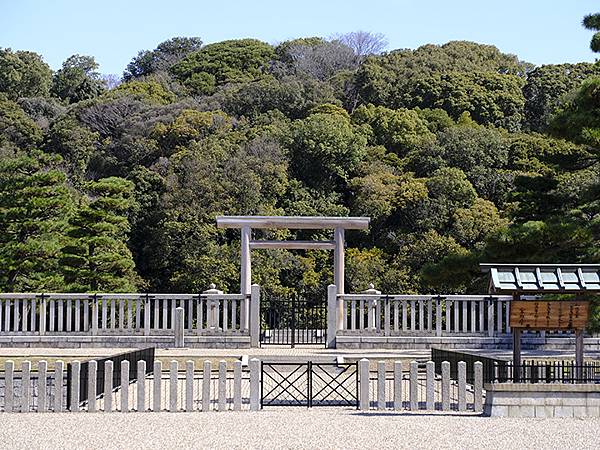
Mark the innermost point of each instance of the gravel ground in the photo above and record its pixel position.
(291, 428)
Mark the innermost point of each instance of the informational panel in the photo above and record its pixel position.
(549, 314)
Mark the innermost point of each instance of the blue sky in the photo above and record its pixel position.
(537, 31)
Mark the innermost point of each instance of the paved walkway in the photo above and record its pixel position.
(318, 428)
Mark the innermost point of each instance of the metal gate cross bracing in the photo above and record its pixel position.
(309, 384)
(292, 320)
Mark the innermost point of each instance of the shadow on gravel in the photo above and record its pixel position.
(415, 414)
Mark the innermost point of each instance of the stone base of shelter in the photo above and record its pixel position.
(503, 342)
(542, 400)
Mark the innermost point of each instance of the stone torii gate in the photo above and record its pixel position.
(338, 224)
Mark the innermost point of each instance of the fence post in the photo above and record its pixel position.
(26, 386)
(430, 386)
(381, 385)
(363, 368)
(9, 370)
(445, 386)
(91, 387)
(75, 372)
(42, 392)
(438, 316)
(206, 370)
(237, 386)
(157, 378)
(222, 385)
(147, 310)
(397, 385)
(254, 384)
(462, 386)
(478, 387)
(108, 385)
(141, 386)
(178, 327)
(254, 316)
(43, 308)
(125, 386)
(491, 321)
(173, 372)
(95, 315)
(189, 386)
(414, 386)
(58, 386)
(332, 315)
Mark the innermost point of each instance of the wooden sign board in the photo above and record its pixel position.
(549, 314)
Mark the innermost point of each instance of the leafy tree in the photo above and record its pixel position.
(97, 257)
(23, 74)
(148, 91)
(325, 150)
(592, 22)
(547, 85)
(165, 55)
(224, 62)
(77, 80)
(34, 206)
(579, 119)
(16, 128)
(473, 225)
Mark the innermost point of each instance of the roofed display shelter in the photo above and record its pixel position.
(538, 314)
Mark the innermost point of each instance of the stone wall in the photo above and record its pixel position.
(542, 400)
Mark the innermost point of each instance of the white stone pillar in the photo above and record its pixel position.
(363, 373)
(254, 384)
(372, 307)
(124, 386)
(108, 385)
(75, 378)
(212, 314)
(222, 385)
(206, 372)
(397, 385)
(173, 375)
(254, 316)
(462, 386)
(445, 386)
(478, 386)
(237, 386)
(381, 385)
(25, 386)
(189, 386)
(245, 274)
(141, 386)
(414, 386)
(332, 315)
(430, 386)
(9, 396)
(42, 392)
(156, 394)
(179, 327)
(92, 387)
(58, 386)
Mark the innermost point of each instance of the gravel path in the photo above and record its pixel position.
(291, 428)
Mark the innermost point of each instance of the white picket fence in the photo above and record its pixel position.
(224, 388)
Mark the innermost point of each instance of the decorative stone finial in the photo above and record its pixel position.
(212, 286)
(371, 286)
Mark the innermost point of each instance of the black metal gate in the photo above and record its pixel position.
(309, 384)
(293, 320)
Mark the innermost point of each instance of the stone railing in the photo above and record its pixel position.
(140, 315)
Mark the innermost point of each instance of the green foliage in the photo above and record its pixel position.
(225, 62)
(165, 55)
(96, 257)
(592, 22)
(77, 80)
(148, 91)
(34, 205)
(16, 128)
(23, 74)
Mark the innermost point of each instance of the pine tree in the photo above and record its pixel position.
(34, 205)
(97, 259)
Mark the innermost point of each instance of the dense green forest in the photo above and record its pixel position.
(459, 154)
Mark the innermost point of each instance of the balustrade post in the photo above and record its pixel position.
(213, 308)
(254, 316)
(491, 321)
(95, 315)
(43, 308)
(438, 316)
(372, 308)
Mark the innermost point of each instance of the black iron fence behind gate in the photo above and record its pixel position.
(293, 320)
(309, 384)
